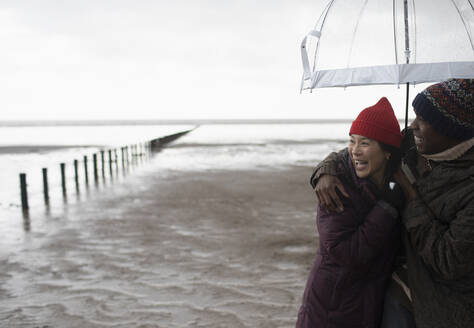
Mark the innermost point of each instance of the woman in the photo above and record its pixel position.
(357, 245)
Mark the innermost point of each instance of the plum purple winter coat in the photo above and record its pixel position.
(353, 264)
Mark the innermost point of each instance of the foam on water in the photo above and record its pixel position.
(221, 147)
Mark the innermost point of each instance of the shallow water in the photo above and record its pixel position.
(124, 259)
(205, 234)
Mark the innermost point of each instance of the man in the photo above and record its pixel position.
(439, 214)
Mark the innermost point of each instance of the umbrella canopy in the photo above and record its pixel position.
(374, 42)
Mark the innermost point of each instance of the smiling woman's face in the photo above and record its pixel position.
(368, 157)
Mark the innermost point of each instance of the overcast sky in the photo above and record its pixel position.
(176, 59)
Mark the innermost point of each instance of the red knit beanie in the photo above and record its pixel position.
(379, 123)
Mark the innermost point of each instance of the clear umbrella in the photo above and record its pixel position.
(374, 42)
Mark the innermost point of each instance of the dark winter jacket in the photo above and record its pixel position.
(354, 259)
(440, 243)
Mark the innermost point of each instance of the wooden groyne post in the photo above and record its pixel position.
(76, 174)
(122, 149)
(24, 192)
(86, 174)
(110, 162)
(102, 160)
(96, 174)
(116, 160)
(45, 186)
(63, 178)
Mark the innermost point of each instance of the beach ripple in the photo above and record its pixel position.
(213, 249)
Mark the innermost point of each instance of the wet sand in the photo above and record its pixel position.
(186, 249)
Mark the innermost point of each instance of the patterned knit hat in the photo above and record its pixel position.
(378, 122)
(448, 107)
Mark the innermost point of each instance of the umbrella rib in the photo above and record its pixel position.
(355, 32)
(324, 15)
(394, 32)
(328, 7)
(469, 36)
(414, 31)
(407, 37)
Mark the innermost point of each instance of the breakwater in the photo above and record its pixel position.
(96, 168)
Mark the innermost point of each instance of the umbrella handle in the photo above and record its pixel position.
(406, 105)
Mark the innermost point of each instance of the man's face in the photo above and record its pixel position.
(427, 140)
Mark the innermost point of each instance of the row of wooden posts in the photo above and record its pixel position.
(138, 151)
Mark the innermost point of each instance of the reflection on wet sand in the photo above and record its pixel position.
(189, 249)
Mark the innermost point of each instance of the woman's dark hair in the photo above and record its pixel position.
(393, 162)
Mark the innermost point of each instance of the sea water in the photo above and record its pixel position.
(209, 147)
(28, 149)
(254, 146)
(110, 258)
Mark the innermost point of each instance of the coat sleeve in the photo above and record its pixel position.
(448, 249)
(327, 166)
(352, 243)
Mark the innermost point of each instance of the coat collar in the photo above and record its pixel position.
(452, 153)
(450, 157)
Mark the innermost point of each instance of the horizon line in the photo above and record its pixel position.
(97, 122)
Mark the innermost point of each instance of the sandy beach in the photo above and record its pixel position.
(192, 249)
